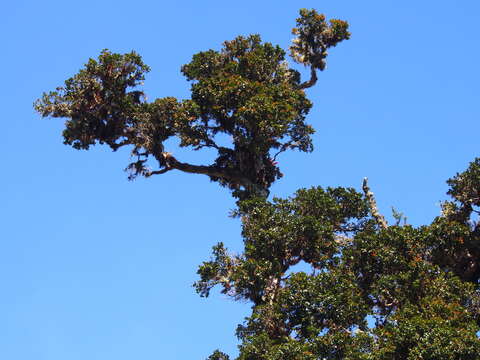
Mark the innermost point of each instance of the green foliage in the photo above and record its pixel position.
(465, 187)
(218, 355)
(279, 235)
(315, 36)
(246, 92)
(96, 100)
(398, 292)
(368, 290)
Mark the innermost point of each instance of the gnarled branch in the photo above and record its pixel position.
(312, 81)
(172, 163)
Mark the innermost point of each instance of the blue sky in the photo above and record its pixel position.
(95, 267)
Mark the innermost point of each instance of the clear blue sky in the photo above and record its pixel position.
(95, 267)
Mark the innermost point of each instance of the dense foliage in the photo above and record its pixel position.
(368, 290)
(372, 291)
(246, 92)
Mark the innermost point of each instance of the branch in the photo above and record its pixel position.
(291, 144)
(128, 133)
(312, 81)
(172, 163)
(157, 172)
(117, 146)
(282, 149)
(373, 205)
(271, 289)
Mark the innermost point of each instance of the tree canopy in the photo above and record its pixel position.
(246, 92)
(372, 290)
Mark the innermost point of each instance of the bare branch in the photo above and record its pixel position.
(373, 205)
(312, 81)
(282, 149)
(157, 172)
(171, 163)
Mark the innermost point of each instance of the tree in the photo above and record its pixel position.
(374, 290)
(246, 91)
